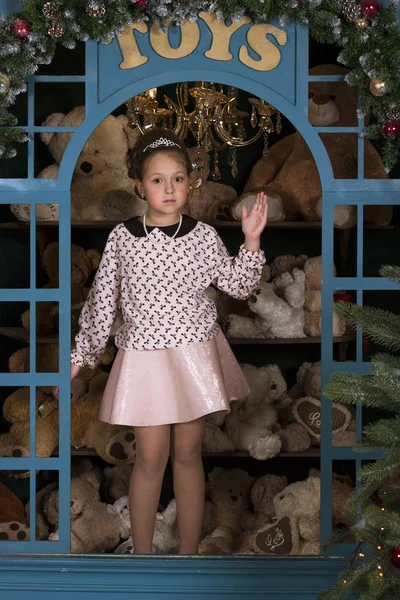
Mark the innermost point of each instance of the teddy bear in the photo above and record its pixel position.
(47, 361)
(342, 490)
(262, 494)
(278, 308)
(114, 443)
(166, 534)
(214, 438)
(101, 189)
(42, 525)
(230, 494)
(16, 410)
(116, 481)
(306, 408)
(285, 263)
(13, 522)
(83, 263)
(279, 205)
(291, 167)
(251, 424)
(209, 201)
(301, 501)
(93, 527)
(120, 508)
(313, 300)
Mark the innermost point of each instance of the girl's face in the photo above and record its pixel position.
(165, 183)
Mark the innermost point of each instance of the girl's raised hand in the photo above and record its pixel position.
(74, 372)
(253, 223)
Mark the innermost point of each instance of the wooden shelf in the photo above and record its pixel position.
(313, 452)
(24, 226)
(22, 335)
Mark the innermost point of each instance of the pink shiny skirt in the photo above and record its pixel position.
(172, 385)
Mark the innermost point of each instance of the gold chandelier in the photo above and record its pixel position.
(215, 121)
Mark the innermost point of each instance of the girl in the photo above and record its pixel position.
(174, 365)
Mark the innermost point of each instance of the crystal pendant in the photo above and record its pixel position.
(266, 149)
(253, 119)
(216, 173)
(232, 161)
(278, 123)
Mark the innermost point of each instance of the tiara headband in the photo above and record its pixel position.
(161, 142)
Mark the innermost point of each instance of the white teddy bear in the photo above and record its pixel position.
(252, 424)
(166, 536)
(278, 306)
(120, 508)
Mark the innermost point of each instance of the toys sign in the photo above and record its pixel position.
(221, 34)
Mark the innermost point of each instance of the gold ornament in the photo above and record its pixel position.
(362, 23)
(56, 31)
(377, 87)
(4, 84)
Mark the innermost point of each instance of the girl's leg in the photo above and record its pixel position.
(189, 485)
(152, 452)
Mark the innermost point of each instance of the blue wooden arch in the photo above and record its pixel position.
(237, 577)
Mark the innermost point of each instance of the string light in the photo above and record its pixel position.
(382, 529)
(379, 547)
(361, 554)
(344, 581)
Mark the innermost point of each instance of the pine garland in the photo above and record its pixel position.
(370, 49)
(374, 507)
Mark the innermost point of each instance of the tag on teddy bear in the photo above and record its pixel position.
(307, 412)
(277, 538)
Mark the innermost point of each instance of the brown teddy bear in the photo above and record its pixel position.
(291, 167)
(114, 443)
(101, 189)
(13, 522)
(47, 361)
(313, 300)
(83, 262)
(209, 201)
(16, 410)
(42, 524)
(230, 494)
(306, 408)
(262, 494)
(93, 527)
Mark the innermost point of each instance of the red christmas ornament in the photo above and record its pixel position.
(21, 29)
(391, 129)
(369, 8)
(142, 3)
(395, 557)
(342, 296)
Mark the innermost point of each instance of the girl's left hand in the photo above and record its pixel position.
(254, 223)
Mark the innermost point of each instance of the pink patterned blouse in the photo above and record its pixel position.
(159, 286)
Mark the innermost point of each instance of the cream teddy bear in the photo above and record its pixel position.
(278, 306)
(166, 535)
(101, 189)
(251, 425)
(230, 495)
(93, 527)
(301, 501)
